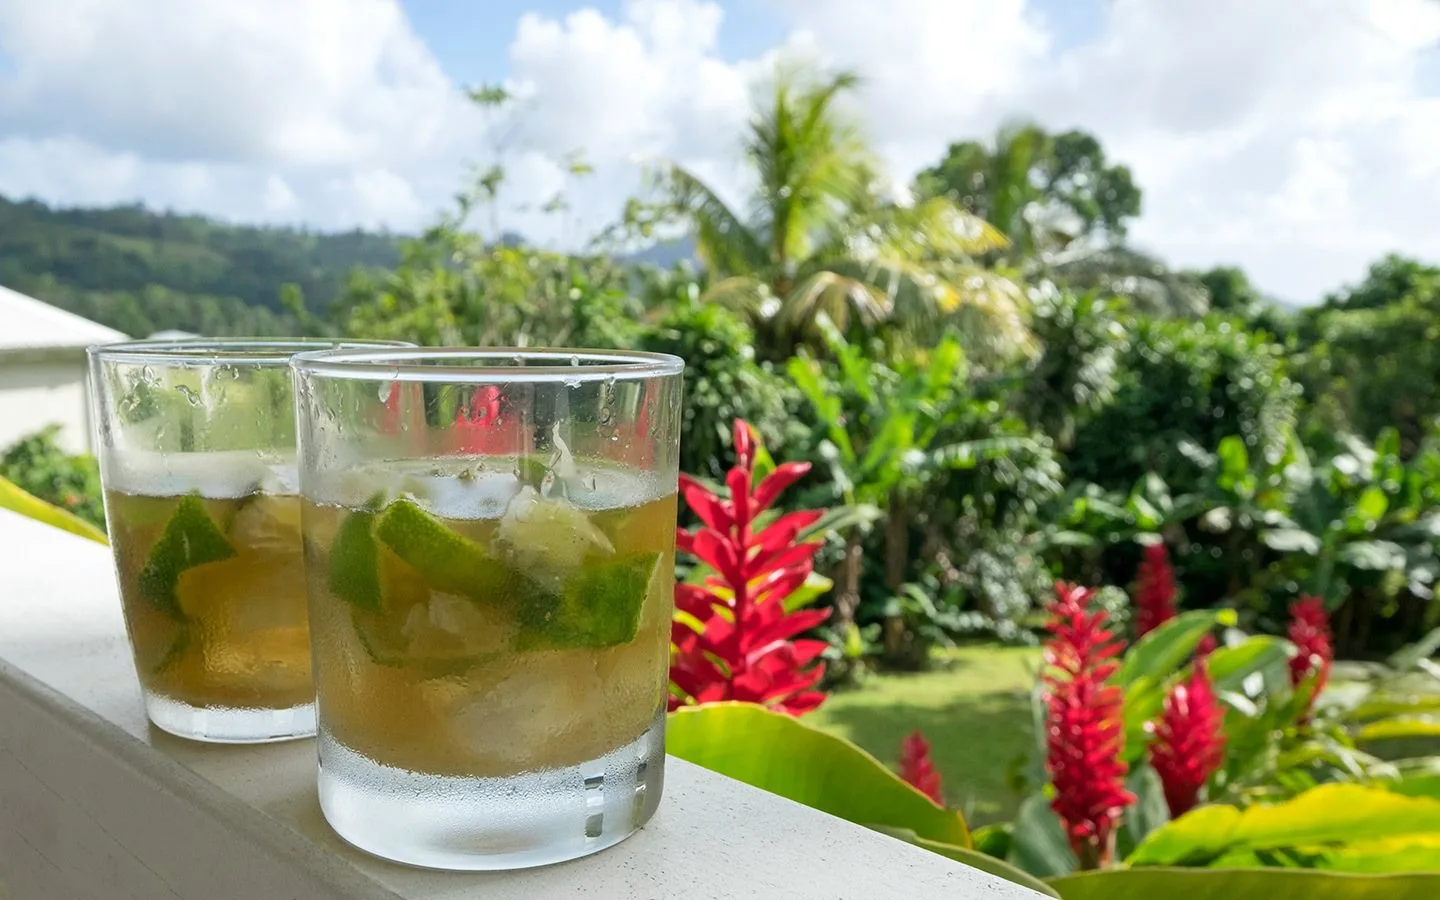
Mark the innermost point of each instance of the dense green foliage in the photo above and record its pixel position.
(991, 382)
(141, 272)
(37, 465)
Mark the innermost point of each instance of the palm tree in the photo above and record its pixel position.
(1145, 281)
(819, 239)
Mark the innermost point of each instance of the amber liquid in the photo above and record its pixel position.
(446, 680)
(231, 632)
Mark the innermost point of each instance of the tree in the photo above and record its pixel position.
(821, 239)
(1388, 281)
(1231, 292)
(1043, 191)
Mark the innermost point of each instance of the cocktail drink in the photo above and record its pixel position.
(197, 456)
(490, 596)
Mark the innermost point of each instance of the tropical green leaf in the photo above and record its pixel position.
(1167, 648)
(1418, 777)
(783, 755)
(1038, 843)
(1408, 656)
(1399, 727)
(1371, 506)
(1387, 705)
(1234, 461)
(1290, 540)
(1373, 556)
(1150, 810)
(1243, 884)
(815, 586)
(1329, 814)
(973, 858)
(993, 840)
(840, 519)
(30, 506)
(1413, 853)
(1230, 666)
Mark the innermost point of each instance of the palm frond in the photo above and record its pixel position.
(811, 160)
(725, 243)
(1148, 283)
(839, 298)
(744, 294)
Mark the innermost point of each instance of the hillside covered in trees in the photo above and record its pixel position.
(142, 271)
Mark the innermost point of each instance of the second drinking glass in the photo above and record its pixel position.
(196, 441)
(490, 539)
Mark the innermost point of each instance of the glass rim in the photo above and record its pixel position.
(213, 351)
(486, 364)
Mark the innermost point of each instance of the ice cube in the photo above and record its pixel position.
(549, 533)
(532, 715)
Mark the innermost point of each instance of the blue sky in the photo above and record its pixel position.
(471, 38)
(1299, 147)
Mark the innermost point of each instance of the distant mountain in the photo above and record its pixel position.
(664, 254)
(142, 271)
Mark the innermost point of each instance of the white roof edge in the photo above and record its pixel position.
(30, 324)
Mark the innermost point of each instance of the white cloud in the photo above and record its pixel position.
(1296, 143)
(212, 105)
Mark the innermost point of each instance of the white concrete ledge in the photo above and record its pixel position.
(97, 805)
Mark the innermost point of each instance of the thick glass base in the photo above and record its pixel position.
(227, 725)
(532, 819)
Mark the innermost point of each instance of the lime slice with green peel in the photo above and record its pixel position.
(443, 635)
(162, 647)
(354, 569)
(190, 539)
(446, 560)
(599, 607)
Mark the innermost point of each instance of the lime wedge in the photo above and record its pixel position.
(190, 539)
(447, 561)
(599, 607)
(162, 646)
(354, 570)
(443, 635)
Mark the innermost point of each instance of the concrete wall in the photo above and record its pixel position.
(35, 392)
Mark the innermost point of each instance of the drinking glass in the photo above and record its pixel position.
(196, 442)
(490, 544)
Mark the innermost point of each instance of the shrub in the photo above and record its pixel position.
(1185, 381)
(38, 465)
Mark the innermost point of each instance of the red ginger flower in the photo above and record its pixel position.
(1207, 646)
(916, 768)
(744, 648)
(1084, 733)
(1189, 743)
(1154, 590)
(1310, 633)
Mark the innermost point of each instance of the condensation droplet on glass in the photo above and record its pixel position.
(606, 416)
(572, 382)
(575, 361)
(385, 388)
(189, 394)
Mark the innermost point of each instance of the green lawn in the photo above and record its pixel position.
(974, 708)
